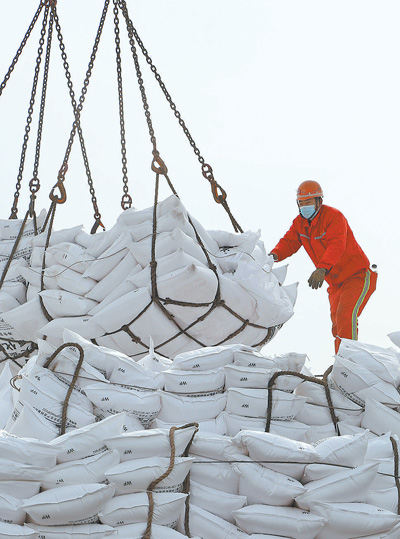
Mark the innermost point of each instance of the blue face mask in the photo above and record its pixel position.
(307, 211)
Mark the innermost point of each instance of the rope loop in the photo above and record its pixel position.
(13, 380)
(31, 209)
(218, 192)
(126, 201)
(157, 165)
(96, 224)
(14, 209)
(73, 381)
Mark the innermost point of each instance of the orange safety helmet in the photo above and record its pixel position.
(309, 189)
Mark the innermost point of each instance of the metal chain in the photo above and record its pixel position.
(166, 93)
(34, 184)
(219, 194)
(124, 9)
(77, 110)
(14, 209)
(21, 47)
(126, 201)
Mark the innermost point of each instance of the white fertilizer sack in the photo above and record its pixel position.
(289, 521)
(60, 303)
(26, 450)
(79, 531)
(217, 447)
(117, 275)
(215, 426)
(383, 362)
(113, 399)
(129, 373)
(136, 475)
(77, 504)
(275, 448)
(165, 265)
(134, 508)
(10, 228)
(203, 359)
(343, 450)
(379, 418)
(136, 531)
(185, 382)
(70, 255)
(149, 443)
(205, 524)
(30, 423)
(345, 486)
(20, 489)
(11, 510)
(357, 382)
(261, 485)
(258, 378)
(395, 338)
(346, 520)
(76, 472)
(254, 403)
(88, 441)
(219, 503)
(167, 244)
(179, 408)
(211, 473)
(8, 531)
(110, 258)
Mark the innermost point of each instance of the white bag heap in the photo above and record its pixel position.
(110, 477)
(13, 291)
(161, 276)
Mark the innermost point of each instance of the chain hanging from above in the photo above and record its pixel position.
(126, 201)
(14, 209)
(218, 192)
(77, 109)
(34, 184)
(21, 47)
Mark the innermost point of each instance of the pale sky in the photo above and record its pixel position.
(273, 93)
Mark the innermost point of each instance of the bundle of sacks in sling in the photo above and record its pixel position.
(205, 288)
(166, 449)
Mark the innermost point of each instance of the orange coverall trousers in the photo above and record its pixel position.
(347, 302)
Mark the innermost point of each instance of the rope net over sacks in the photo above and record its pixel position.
(156, 280)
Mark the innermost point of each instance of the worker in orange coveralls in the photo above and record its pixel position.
(329, 241)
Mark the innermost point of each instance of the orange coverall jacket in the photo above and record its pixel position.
(330, 243)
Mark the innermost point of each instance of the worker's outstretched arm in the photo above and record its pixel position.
(288, 245)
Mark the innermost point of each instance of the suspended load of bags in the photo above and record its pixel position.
(154, 275)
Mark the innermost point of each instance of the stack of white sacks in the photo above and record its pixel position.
(299, 481)
(97, 284)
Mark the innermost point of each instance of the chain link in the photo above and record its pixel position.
(124, 9)
(21, 47)
(165, 91)
(218, 192)
(14, 209)
(78, 108)
(126, 201)
(34, 184)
